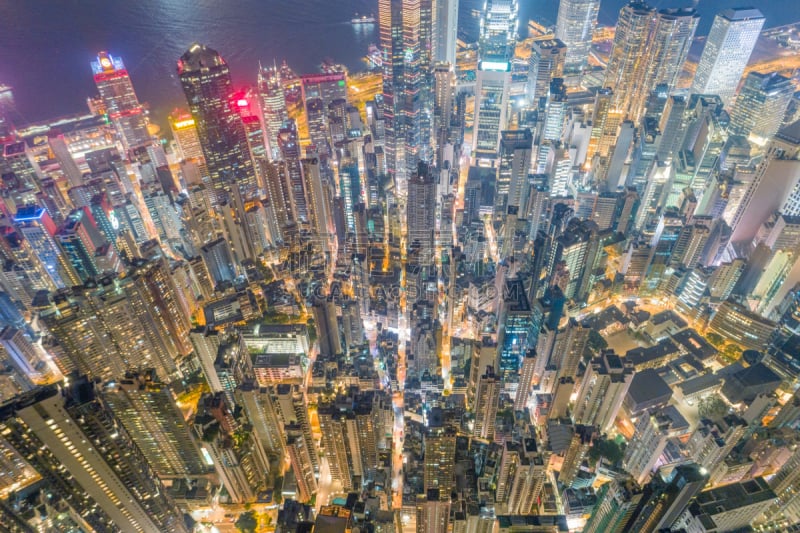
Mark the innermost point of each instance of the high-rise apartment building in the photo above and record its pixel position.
(88, 459)
(487, 397)
(147, 410)
(604, 386)
(728, 47)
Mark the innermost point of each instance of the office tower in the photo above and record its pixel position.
(146, 408)
(445, 31)
(690, 244)
(444, 87)
(88, 460)
(519, 323)
(302, 467)
(272, 102)
(6, 110)
(35, 224)
(732, 507)
(736, 323)
(421, 214)
(184, 131)
(495, 51)
(606, 120)
(574, 27)
(602, 390)
(206, 82)
(555, 111)
(547, 61)
(405, 40)
(760, 107)
(664, 499)
(491, 95)
(728, 47)
(528, 375)
(327, 87)
(512, 172)
(672, 37)
(487, 397)
(120, 101)
(629, 62)
(85, 247)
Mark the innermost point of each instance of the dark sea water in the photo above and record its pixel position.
(46, 45)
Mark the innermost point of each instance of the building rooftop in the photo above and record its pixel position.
(728, 497)
(647, 386)
(692, 342)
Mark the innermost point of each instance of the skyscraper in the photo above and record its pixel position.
(206, 82)
(119, 98)
(487, 397)
(627, 66)
(272, 103)
(421, 214)
(547, 62)
(727, 51)
(445, 24)
(760, 107)
(405, 40)
(672, 37)
(574, 26)
(495, 51)
(35, 224)
(602, 391)
(88, 459)
(146, 408)
(512, 173)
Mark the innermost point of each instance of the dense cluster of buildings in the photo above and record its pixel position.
(559, 294)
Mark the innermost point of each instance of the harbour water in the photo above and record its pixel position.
(46, 45)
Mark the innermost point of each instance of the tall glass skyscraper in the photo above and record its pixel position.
(445, 23)
(272, 102)
(405, 28)
(495, 51)
(120, 101)
(574, 27)
(206, 82)
(760, 107)
(727, 51)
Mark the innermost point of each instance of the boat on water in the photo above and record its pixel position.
(329, 67)
(363, 19)
(374, 58)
